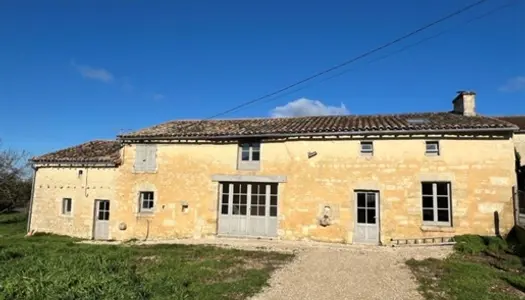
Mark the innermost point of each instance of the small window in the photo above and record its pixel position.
(432, 147)
(367, 148)
(147, 201)
(436, 204)
(66, 206)
(249, 155)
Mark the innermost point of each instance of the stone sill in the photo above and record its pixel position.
(436, 228)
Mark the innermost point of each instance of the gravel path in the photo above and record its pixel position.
(349, 273)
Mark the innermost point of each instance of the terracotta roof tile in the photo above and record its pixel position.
(516, 120)
(318, 124)
(90, 152)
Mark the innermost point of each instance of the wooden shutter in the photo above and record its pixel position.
(151, 158)
(140, 157)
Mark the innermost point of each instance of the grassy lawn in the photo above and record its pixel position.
(481, 268)
(56, 267)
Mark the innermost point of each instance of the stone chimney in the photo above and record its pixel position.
(465, 103)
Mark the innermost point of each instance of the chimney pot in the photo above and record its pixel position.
(465, 103)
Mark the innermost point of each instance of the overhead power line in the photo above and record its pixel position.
(361, 56)
(479, 17)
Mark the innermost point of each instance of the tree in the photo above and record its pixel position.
(15, 181)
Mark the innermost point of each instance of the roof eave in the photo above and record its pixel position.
(328, 133)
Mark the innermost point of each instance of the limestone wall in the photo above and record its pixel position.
(519, 142)
(481, 172)
(54, 184)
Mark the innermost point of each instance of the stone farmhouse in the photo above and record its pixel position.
(347, 179)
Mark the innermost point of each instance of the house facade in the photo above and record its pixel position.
(348, 179)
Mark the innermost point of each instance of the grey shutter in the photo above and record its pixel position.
(151, 158)
(140, 157)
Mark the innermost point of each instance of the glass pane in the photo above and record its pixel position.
(244, 199)
(443, 215)
(254, 199)
(150, 203)
(361, 200)
(442, 188)
(245, 156)
(245, 147)
(225, 188)
(442, 202)
(428, 215)
(244, 188)
(253, 210)
(371, 216)
(107, 205)
(262, 199)
(224, 209)
(361, 215)
(243, 210)
(106, 215)
(100, 215)
(273, 189)
(256, 146)
(371, 200)
(236, 188)
(236, 199)
(262, 210)
(273, 211)
(225, 198)
(273, 200)
(256, 155)
(428, 201)
(427, 188)
(235, 210)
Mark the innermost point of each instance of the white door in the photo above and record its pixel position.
(101, 226)
(366, 229)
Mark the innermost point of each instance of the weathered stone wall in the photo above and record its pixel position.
(519, 142)
(54, 184)
(481, 172)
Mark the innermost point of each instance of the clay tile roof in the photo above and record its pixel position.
(319, 124)
(90, 152)
(516, 120)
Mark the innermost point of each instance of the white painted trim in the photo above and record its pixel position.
(250, 178)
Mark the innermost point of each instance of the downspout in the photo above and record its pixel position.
(30, 211)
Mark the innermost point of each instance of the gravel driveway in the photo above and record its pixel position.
(354, 272)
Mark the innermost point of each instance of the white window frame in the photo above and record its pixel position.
(364, 151)
(432, 152)
(142, 200)
(250, 163)
(435, 208)
(64, 209)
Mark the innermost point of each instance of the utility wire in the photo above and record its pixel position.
(361, 56)
(395, 52)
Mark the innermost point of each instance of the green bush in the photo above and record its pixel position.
(495, 244)
(469, 244)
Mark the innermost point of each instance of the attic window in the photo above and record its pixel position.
(417, 121)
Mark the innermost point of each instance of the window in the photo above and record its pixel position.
(147, 201)
(146, 158)
(254, 199)
(249, 155)
(66, 206)
(432, 148)
(436, 203)
(367, 148)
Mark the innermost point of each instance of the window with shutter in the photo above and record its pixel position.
(145, 158)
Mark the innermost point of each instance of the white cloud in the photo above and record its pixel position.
(99, 74)
(515, 84)
(158, 96)
(307, 107)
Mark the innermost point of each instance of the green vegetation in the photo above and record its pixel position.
(481, 268)
(57, 267)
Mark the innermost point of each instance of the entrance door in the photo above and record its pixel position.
(248, 209)
(367, 217)
(101, 227)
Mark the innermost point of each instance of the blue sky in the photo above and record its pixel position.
(72, 71)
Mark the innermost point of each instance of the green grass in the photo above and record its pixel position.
(57, 267)
(482, 268)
